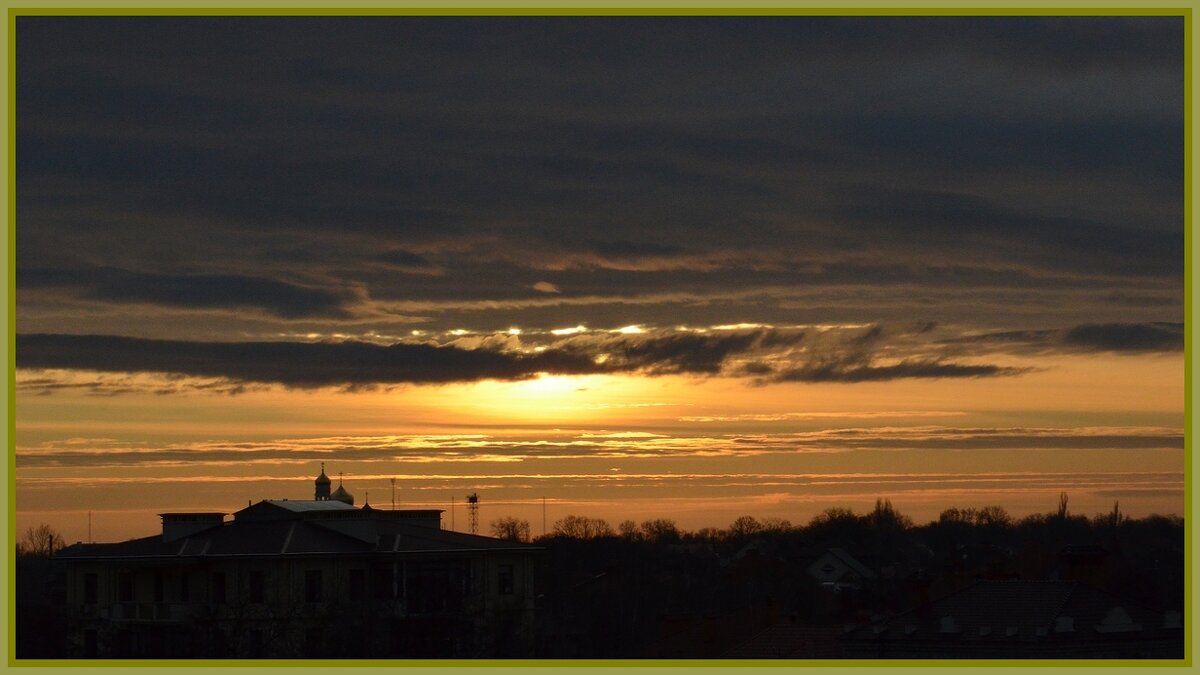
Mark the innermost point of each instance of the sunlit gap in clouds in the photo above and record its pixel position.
(547, 398)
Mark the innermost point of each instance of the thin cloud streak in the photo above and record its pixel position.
(782, 417)
(492, 448)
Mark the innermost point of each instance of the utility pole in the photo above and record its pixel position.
(393, 494)
(543, 515)
(452, 514)
(90, 540)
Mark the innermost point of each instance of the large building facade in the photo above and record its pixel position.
(287, 579)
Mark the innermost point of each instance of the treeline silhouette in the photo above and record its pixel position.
(654, 590)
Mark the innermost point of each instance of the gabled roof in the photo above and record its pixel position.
(852, 562)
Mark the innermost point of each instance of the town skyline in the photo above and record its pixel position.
(691, 268)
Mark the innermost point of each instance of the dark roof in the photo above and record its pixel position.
(1017, 610)
(302, 531)
(790, 640)
(303, 505)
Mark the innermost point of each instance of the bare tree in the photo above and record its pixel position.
(1113, 518)
(744, 526)
(661, 529)
(993, 515)
(776, 525)
(511, 529)
(833, 516)
(1062, 505)
(582, 527)
(628, 529)
(40, 540)
(885, 516)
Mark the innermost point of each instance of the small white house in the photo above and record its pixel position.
(837, 570)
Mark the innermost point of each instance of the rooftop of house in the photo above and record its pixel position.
(849, 561)
(299, 528)
(1022, 610)
(789, 639)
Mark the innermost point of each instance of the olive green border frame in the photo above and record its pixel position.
(565, 8)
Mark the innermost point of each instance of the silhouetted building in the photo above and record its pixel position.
(301, 578)
(1018, 619)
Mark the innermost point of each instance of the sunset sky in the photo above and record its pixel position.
(687, 268)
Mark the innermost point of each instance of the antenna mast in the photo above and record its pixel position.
(473, 511)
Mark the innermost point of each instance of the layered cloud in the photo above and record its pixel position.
(1121, 338)
(763, 354)
(497, 171)
(567, 444)
(192, 291)
(297, 364)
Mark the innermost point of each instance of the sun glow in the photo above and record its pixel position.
(547, 385)
(561, 398)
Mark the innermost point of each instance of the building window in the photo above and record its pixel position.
(91, 586)
(504, 581)
(312, 586)
(258, 586)
(357, 586)
(184, 592)
(218, 587)
(159, 590)
(124, 586)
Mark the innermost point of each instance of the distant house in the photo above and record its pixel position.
(1016, 619)
(301, 578)
(837, 570)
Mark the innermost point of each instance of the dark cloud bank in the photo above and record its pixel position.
(318, 364)
(179, 161)
(197, 291)
(1108, 337)
(763, 354)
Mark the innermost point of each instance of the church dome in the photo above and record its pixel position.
(341, 495)
(322, 485)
